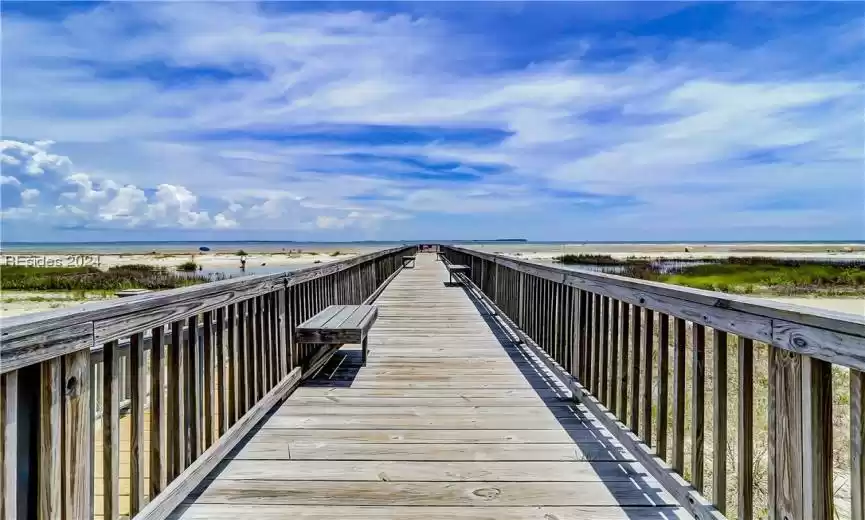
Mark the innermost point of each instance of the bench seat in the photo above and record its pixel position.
(408, 260)
(456, 268)
(339, 324)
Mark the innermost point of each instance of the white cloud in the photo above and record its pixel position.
(29, 195)
(678, 130)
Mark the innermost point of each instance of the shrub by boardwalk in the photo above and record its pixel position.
(19, 278)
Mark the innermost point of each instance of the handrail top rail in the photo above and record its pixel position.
(846, 323)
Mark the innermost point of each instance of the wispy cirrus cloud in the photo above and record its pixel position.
(558, 121)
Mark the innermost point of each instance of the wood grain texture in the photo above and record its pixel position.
(447, 412)
(663, 383)
(110, 431)
(138, 376)
(785, 434)
(719, 420)
(159, 457)
(818, 491)
(698, 404)
(648, 381)
(50, 441)
(209, 368)
(77, 436)
(636, 339)
(857, 443)
(613, 401)
(679, 355)
(745, 445)
(9, 399)
(477, 512)
(163, 505)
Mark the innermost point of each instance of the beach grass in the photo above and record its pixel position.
(22, 278)
(771, 277)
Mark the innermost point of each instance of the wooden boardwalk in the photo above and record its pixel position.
(449, 419)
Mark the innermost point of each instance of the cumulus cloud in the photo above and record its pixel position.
(90, 200)
(267, 118)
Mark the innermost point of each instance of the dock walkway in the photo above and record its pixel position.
(450, 419)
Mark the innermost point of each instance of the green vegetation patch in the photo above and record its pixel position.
(785, 277)
(20, 278)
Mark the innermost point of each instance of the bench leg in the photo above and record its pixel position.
(363, 352)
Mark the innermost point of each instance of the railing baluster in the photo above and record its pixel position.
(817, 438)
(625, 367)
(663, 382)
(224, 375)
(605, 335)
(719, 420)
(634, 422)
(193, 388)
(679, 353)
(745, 443)
(157, 408)
(138, 379)
(613, 402)
(596, 343)
(648, 350)
(50, 442)
(208, 392)
(698, 410)
(77, 436)
(251, 360)
(175, 417)
(857, 443)
(9, 445)
(110, 431)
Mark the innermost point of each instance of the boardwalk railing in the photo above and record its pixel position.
(175, 379)
(635, 353)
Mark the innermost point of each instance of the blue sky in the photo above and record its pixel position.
(363, 121)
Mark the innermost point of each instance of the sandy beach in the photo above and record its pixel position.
(684, 250)
(268, 259)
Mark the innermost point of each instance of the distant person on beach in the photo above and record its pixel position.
(243, 263)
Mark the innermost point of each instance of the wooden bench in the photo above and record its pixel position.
(455, 269)
(339, 324)
(440, 256)
(408, 260)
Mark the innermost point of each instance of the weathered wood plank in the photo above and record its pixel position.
(9, 402)
(634, 418)
(208, 391)
(50, 441)
(257, 492)
(698, 404)
(476, 512)
(161, 507)
(431, 471)
(322, 450)
(817, 468)
(857, 443)
(745, 445)
(679, 354)
(719, 420)
(159, 457)
(110, 431)
(648, 353)
(663, 382)
(138, 375)
(785, 434)
(77, 436)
